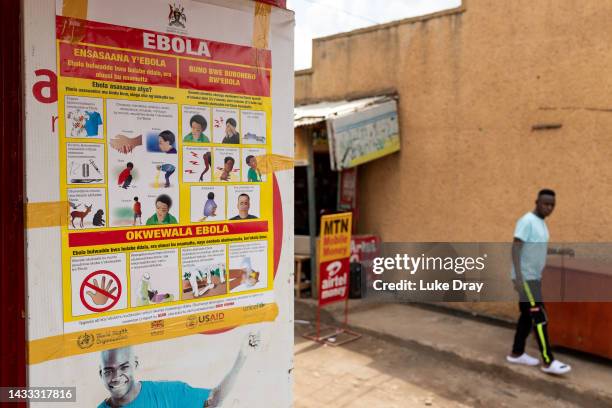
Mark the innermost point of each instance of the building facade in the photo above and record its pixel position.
(496, 101)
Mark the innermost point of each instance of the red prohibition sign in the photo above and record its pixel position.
(115, 298)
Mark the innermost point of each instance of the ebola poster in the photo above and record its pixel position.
(159, 246)
(169, 213)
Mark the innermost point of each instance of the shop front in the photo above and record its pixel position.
(332, 141)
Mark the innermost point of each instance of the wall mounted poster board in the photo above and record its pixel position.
(169, 239)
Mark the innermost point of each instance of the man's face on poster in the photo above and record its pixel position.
(117, 371)
(196, 129)
(229, 129)
(162, 210)
(244, 203)
(228, 165)
(164, 145)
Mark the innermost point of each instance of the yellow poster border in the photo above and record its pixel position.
(95, 340)
(179, 97)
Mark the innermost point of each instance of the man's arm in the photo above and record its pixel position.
(218, 394)
(517, 247)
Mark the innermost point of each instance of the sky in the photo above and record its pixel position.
(319, 18)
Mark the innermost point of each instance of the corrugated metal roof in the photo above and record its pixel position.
(318, 112)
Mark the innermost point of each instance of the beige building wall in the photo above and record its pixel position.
(472, 82)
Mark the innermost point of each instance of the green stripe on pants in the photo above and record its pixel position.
(543, 342)
(529, 295)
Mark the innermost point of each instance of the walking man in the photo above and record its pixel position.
(529, 251)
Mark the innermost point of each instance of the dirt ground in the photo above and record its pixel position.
(371, 372)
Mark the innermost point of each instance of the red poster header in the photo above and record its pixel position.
(92, 32)
(103, 64)
(163, 233)
(223, 78)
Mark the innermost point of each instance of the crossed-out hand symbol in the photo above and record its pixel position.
(99, 297)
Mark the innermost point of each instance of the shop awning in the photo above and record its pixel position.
(358, 131)
(318, 112)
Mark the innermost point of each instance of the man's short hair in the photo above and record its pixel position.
(211, 196)
(228, 158)
(168, 136)
(244, 195)
(199, 119)
(164, 198)
(231, 121)
(248, 158)
(135, 198)
(129, 350)
(546, 191)
(130, 165)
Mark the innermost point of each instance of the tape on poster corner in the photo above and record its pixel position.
(261, 25)
(47, 214)
(261, 31)
(269, 163)
(72, 29)
(75, 9)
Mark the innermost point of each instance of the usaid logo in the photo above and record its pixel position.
(211, 317)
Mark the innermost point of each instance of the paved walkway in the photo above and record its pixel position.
(472, 344)
(346, 376)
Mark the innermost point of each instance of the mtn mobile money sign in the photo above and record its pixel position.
(334, 254)
(360, 137)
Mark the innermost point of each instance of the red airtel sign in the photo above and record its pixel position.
(333, 281)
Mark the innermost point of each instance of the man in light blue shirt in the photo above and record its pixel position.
(117, 370)
(529, 251)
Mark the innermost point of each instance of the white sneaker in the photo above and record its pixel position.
(556, 367)
(524, 359)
